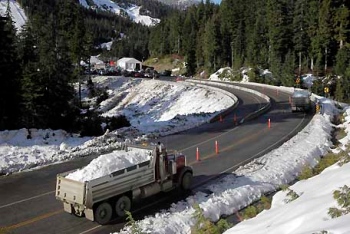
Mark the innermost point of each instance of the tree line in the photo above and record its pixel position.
(288, 37)
(40, 64)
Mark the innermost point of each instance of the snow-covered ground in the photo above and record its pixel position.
(133, 12)
(154, 108)
(161, 102)
(17, 12)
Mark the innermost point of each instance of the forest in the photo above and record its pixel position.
(288, 37)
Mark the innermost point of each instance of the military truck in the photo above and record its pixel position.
(101, 198)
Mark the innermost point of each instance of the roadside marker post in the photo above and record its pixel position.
(269, 123)
(216, 147)
(235, 119)
(197, 154)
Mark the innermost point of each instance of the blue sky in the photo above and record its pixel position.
(216, 1)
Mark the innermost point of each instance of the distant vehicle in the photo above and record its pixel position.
(301, 101)
(100, 198)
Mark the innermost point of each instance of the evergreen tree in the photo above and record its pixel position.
(211, 44)
(31, 83)
(9, 74)
(341, 22)
(324, 33)
(257, 38)
(279, 22)
(300, 38)
(312, 31)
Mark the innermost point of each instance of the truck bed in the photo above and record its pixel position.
(89, 192)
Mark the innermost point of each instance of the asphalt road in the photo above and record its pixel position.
(27, 200)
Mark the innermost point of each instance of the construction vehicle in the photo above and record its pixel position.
(301, 101)
(101, 198)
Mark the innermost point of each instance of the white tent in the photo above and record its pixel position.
(129, 64)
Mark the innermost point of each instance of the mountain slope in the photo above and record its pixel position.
(17, 13)
(127, 10)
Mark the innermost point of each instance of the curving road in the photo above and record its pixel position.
(27, 200)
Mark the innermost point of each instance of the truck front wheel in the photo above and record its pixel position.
(103, 213)
(186, 181)
(123, 204)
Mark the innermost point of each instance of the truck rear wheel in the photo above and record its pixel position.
(186, 181)
(123, 204)
(103, 213)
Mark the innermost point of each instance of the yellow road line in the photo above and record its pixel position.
(38, 218)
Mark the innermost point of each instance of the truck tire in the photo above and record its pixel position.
(186, 180)
(123, 204)
(103, 213)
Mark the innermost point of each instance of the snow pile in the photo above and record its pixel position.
(23, 149)
(218, 76)
(309, 212)
(308, 80)
(306, 214)
(109, 163)
(159, 108)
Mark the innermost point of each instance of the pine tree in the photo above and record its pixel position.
(300, 38)
(279, 28)
(31, 83)
(324, 33)
(341, 22)
(257, 38)
(9, 74)
(312, 31)
(211, 43)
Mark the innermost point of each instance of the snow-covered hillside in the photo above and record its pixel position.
(17, 13)
(131, 10)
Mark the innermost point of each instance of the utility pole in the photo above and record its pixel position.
(232, 54)
(299, 63)
(325, 61)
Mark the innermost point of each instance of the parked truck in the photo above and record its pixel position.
(99, 199)
(301, 101)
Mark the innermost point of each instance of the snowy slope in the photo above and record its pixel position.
(132, 11)
(17, 13)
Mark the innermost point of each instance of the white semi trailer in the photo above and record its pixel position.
(99, 199)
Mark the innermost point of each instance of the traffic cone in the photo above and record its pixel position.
(216, 147)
